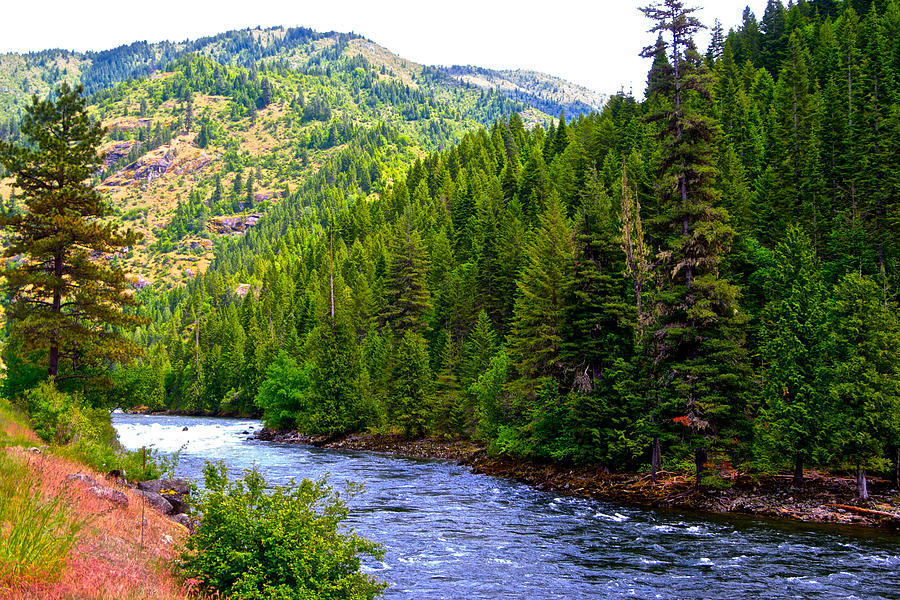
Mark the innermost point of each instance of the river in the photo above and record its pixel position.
(449, 533)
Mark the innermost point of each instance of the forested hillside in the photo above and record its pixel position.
(202, 148)
(709, 275)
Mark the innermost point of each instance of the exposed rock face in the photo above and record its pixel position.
(138, 282)
(153, 165)
(232, 225)
(113, 495)
(117, 152)
(204, 245)
(183, 519)
(174, 492)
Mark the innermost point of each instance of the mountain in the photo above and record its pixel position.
(205, 136)
(545, 92)
(22, 75)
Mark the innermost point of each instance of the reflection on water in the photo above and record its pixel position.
(449, 533)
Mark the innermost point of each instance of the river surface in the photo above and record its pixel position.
(449, 533)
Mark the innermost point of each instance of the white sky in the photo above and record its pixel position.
(591, 42)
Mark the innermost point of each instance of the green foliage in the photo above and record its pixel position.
(411, 397)
(615, 283)
(85, 434)
(866, 386)
(54, 414)
(256, 541)
(796, 351)
(489, 394)
(281, 395)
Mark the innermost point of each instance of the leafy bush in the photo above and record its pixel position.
(282, 543)
(105, 456)
(53, 414)
(281, 394)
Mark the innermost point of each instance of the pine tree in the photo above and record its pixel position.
(866, 386)
(478, 350)
(795, 147)
(795, 352)
(411, 393)
(595, 327)
(698, 337)
(407, 299)
(65, 304)
(716, 43)
(536, 330)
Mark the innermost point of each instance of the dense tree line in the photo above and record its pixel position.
(708, 274)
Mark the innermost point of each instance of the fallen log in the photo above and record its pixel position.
(864, 511)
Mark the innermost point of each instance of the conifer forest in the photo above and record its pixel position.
(706, 274)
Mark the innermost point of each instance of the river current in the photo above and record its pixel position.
(452, 534)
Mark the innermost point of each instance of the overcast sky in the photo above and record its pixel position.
(591, 42)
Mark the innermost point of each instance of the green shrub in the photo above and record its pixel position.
(53, 414)
(254, 542)
(104, 456)
(86, 434)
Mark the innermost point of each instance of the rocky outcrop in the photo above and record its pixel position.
(157, 163)
(113, 495)
(138, 282)
(169, 496)
(117, 152)
(107, 493)
(202, 245)
(235, 224)
(158, 502)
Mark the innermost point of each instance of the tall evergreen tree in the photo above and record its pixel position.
(866, 386)
(698, 337)
(66, 305)
(538, 315)
(406, 291)
(795, 353)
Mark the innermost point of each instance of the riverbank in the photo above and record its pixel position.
(96, 540)
(822, 499)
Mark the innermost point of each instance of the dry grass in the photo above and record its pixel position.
(109, 559)
(14, 429)
(403, 69)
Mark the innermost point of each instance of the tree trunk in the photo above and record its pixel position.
(895, 472)
(699, 460)
(655, 459)
(798, 471)
(862, 490)
(53, 363)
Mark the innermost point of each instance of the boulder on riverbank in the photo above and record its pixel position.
(169, 496)
(158, 502)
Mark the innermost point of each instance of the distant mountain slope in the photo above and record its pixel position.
(201, 147)
(544, 92)
(22, 75)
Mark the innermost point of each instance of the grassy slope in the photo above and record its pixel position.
(107, 560)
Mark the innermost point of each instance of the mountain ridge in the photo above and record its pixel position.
(39, 72)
